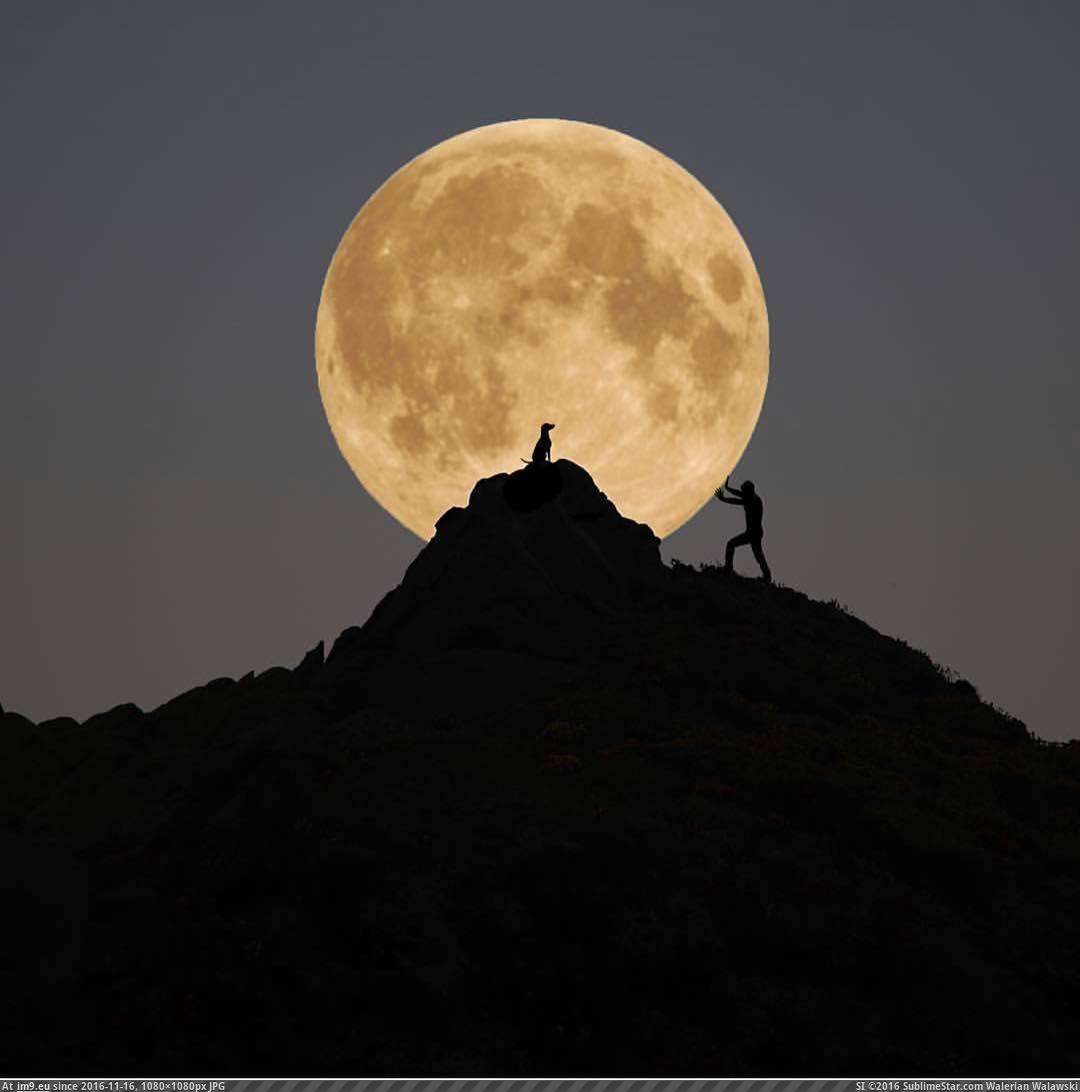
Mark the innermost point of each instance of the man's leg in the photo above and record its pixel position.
(729, 553)
(759, 556)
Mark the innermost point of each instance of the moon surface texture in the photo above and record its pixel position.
(542, 270)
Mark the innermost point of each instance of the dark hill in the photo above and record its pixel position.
(556, 808)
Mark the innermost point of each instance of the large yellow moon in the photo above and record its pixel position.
(542, 270)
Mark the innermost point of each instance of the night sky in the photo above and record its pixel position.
(177, 177)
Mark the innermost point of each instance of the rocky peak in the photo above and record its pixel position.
(530, 560)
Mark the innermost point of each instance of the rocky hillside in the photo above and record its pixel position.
(555, 808)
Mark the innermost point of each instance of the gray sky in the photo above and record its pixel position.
(176, 178)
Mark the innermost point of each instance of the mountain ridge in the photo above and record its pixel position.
(549, 816)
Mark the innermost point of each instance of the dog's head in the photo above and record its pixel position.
(546, 428)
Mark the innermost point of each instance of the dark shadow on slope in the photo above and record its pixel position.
(532, 486)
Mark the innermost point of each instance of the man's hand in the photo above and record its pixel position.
(719, 494)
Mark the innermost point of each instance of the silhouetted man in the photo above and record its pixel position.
(750, 502)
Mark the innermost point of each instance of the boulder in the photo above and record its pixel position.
(533, 558)
(311, 664)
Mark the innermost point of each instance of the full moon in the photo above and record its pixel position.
(542, 270)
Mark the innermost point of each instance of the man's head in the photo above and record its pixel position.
(748, 487)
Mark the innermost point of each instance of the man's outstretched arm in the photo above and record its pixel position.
(719, 495)
(731, 489)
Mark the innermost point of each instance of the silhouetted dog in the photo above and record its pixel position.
(542, 451)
